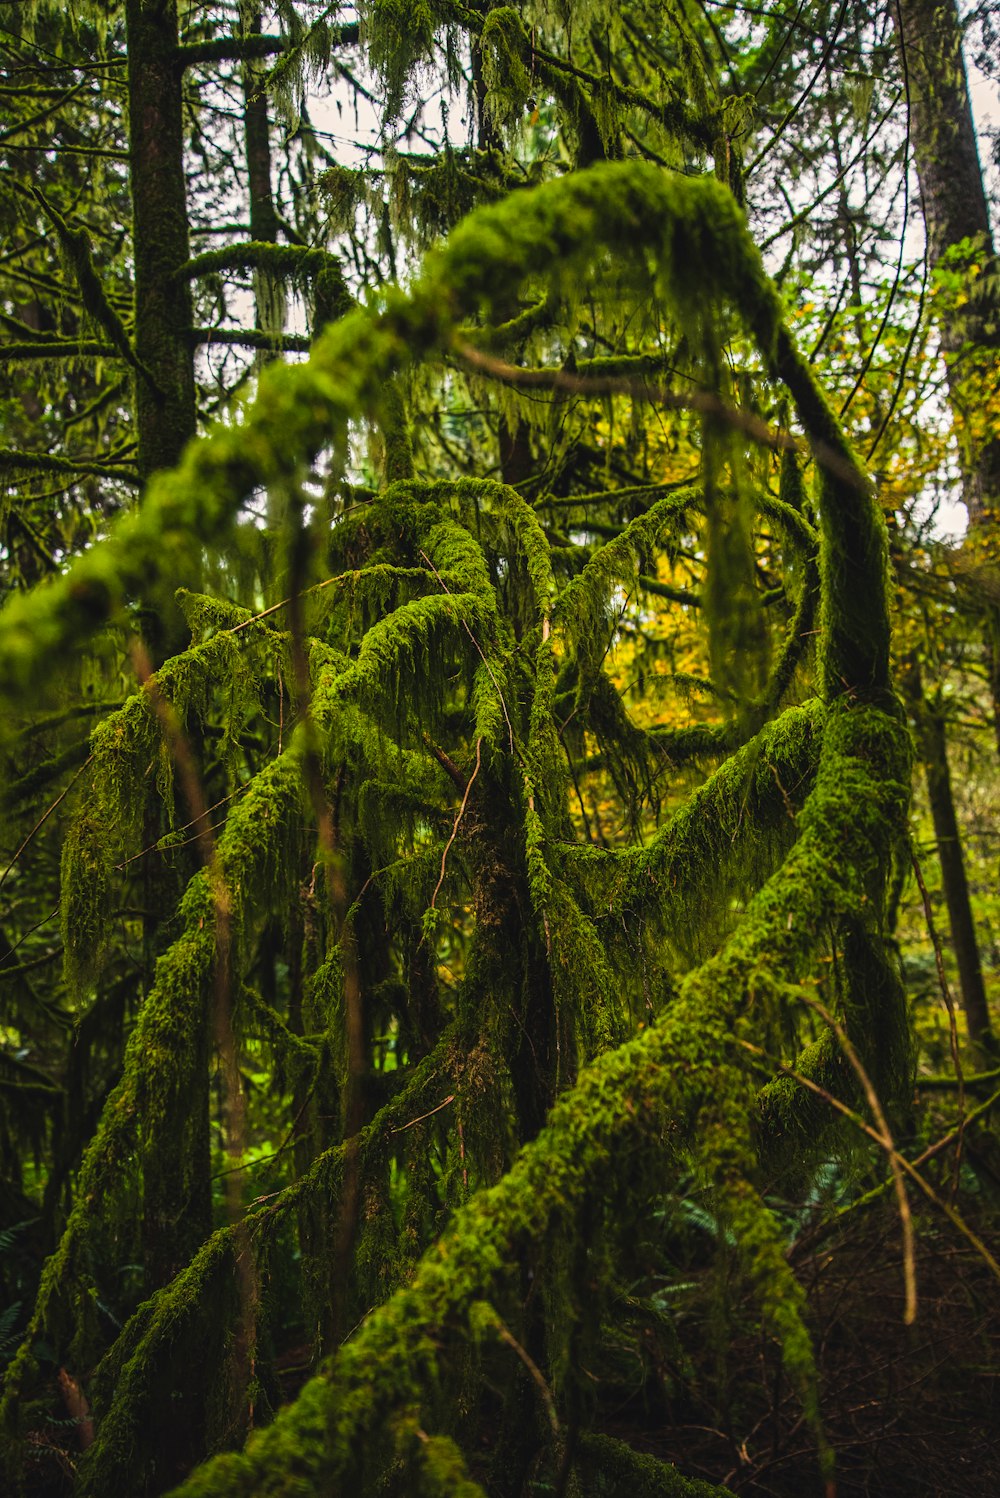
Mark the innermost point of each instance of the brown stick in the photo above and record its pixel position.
(457, 823)
(703, 401)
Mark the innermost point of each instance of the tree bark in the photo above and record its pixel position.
(957, 213)
(165, 398)
(269, 296)
(933, 749)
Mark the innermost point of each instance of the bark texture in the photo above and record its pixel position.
(956, 212)
(165, 401)
(933, 749)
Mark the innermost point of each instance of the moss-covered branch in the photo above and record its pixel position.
(230, 49)
(76, 245)
(59, 348)
(609, 1466)
(250, 338)
(52, 463)
(704, 258)
(729, 835)
(605, 1138)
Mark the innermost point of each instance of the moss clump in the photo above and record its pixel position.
(85, 896)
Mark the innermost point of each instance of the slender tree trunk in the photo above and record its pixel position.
(942, 127)
(176, 1162)
(165, 400)
(933, 748)
(263, 216)
(269, 295)
(957, 213)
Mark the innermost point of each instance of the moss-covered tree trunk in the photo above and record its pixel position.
(165, 397)
(269, 296)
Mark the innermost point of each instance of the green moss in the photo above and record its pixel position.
(85, 897)
(692, 230)
(171, 1326)
(609, 1467)
(603, 1136)
(799, 824)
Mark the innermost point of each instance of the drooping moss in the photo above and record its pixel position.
(683, 1073)
(85, 904)
(539, 974)
(690, 227)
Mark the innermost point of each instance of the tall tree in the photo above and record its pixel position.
(959, 233)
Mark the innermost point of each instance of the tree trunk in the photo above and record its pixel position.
(269, 295)
(176, 1163)
(165, 400)
(956, 213)
(933, 749)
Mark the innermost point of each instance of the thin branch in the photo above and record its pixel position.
(457, 823)
(44, 818)
(295, 343)
(51, 463)
(885, 1139)
(429, 1114)
(511, 1341)
(30, 932)
(703, 401)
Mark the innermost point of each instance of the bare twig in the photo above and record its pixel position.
(706, 402)
(45, 816)
(456, 824)
(429, 1114)
(536, 1373)
(885, 1139)
(30, 931)
(169, 848)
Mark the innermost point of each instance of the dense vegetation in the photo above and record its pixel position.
(497, 930)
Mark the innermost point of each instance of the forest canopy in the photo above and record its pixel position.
(500, 676)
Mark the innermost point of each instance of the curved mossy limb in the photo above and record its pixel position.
(678, 1077)
(609, 1467)
(704, 260)
(583, 603)
(726, 838)
(608, 1133)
